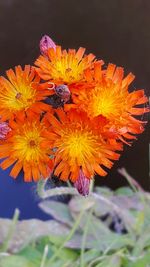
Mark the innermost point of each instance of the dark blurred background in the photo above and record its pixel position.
(117, 31)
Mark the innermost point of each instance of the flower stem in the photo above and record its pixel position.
(44, 256)
(74, 228)
(84, 238)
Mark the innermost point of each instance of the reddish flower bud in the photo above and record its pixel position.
(45, 43)
(82, 184)
(4, 129)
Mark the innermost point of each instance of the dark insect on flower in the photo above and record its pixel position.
(54, 101)
(63, 92)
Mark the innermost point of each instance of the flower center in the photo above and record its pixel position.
(32, 143)
(78, 144)
(103, 106)
(68, 72)
(18, 95)
(103, 102)
(20, 98)
(27, 144)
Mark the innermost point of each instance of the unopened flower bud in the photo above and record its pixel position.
(45, 43)
(63, 92)
(4, 130)
(82, 184)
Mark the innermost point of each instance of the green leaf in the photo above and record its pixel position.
(66, 254)
(99, 236)
(59, 211)
(96, 226)
(57, 240)
(79, 203)
(16, 261)
(60, 263)
(111, 261)
(29, 231)
(125, 190)
(110, 242)
(142, 242)
(41, 243)
(140, 261)
(91, 254)
(32, 254)
(103, 191)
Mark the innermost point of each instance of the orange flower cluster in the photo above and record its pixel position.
(68, 115)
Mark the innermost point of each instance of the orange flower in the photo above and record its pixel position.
(21, 92)
(23, 148)
(62, 67)
(79, 146)
(109, 97)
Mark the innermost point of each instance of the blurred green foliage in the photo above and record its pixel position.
(106, 229)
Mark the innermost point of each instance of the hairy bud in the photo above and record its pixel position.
(4, 130)
(45, 43)
(82, 184)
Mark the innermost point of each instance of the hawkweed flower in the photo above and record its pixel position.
(109, 97)
(45, 43)
(4, 130)
(64, 67)
(23, 149)
(79, 146)
(68, 115)
(21, 92)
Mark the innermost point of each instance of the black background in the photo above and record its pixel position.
(117, 31)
